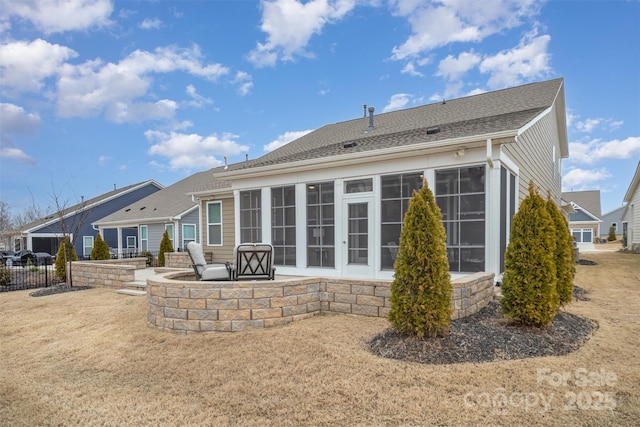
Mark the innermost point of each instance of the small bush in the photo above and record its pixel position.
(5, 276)
(612, 234)
(529, 293)
(149, 257)
(165, 246)
(66, 252)
(421, 289)
(100, 249)
(564, 254)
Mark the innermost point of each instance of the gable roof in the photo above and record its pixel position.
(499, 114)
(635, 182)
(86, 204)
(588, 201)
(168, 204)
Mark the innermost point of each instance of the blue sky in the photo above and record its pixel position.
(97, 93)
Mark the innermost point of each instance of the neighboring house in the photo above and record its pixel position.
(44, 235)
(584, 222)
(139, 226)
(332, 202)
(613, 219)
(632, 216)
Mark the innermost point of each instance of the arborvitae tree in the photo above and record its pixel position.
(165, 246)
(529, 293)
(421, 289)
(612, 234)
(100, 249)
(565, 264)
(66, 253)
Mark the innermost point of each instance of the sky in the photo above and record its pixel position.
(101, 93)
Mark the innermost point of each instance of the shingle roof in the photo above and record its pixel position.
(491, 112)
(89, 203)
(166, 203)
(588, 200)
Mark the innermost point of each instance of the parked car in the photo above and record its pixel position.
(5, 255)
(37, 258)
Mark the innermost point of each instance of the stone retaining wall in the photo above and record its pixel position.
(106, 273)
(180, 305)
(182, 260)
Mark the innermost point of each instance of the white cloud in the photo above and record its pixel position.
(25, 65)
(290, 24)
(397, 101)
(583, 179)
(527, 61)
(452, 68)
(15, 120)
(151, 24)
(91, 88)
(193, 151)
(54, 16)
(436, 24)
(410, 69)
(595, 150)
(103, 159)
(197, 100)
(16, 154)
(589, 125)
(244, 82)
(284, 139)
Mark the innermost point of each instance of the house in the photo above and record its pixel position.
(332, 202)
(44, 235)
(632, 215)
(140, 226)
(584, 222)
(613, 219)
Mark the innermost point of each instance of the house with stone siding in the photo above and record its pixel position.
(332, 202)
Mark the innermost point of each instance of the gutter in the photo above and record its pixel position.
(371, 155)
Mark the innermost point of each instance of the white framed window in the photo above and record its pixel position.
(283, 225)
(321, 225)
(214, 223)
(87, 246)
(131, 242)
(582, 235)
(169, 229)
(250, 216)
(144, 239)
(460, 194)
(396, 191)
(188, 234)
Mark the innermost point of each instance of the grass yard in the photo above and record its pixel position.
(88, 359)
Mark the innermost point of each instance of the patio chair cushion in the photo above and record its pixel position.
(203, 270)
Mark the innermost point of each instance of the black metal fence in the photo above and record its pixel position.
(29, 277)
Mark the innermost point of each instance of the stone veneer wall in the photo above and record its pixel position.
(106, 273)
(180, 305)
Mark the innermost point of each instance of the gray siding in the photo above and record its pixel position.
(533, 153)
(225, 252)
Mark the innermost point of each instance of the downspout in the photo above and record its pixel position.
(489, 153)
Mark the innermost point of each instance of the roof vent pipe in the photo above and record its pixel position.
(364, 107)
(246, 157)
(371, 110)
(225, 163)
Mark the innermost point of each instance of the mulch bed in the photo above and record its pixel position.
(57, 290)
(487, 336)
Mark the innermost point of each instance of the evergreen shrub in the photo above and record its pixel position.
(421, 289)
(564, 254)
(529, 294)
(612, 234)
(61, 260)
(100, 249)
(165, 246)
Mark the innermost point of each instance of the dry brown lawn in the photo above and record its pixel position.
(88, 359)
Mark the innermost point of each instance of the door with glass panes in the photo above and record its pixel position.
(357, 239)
